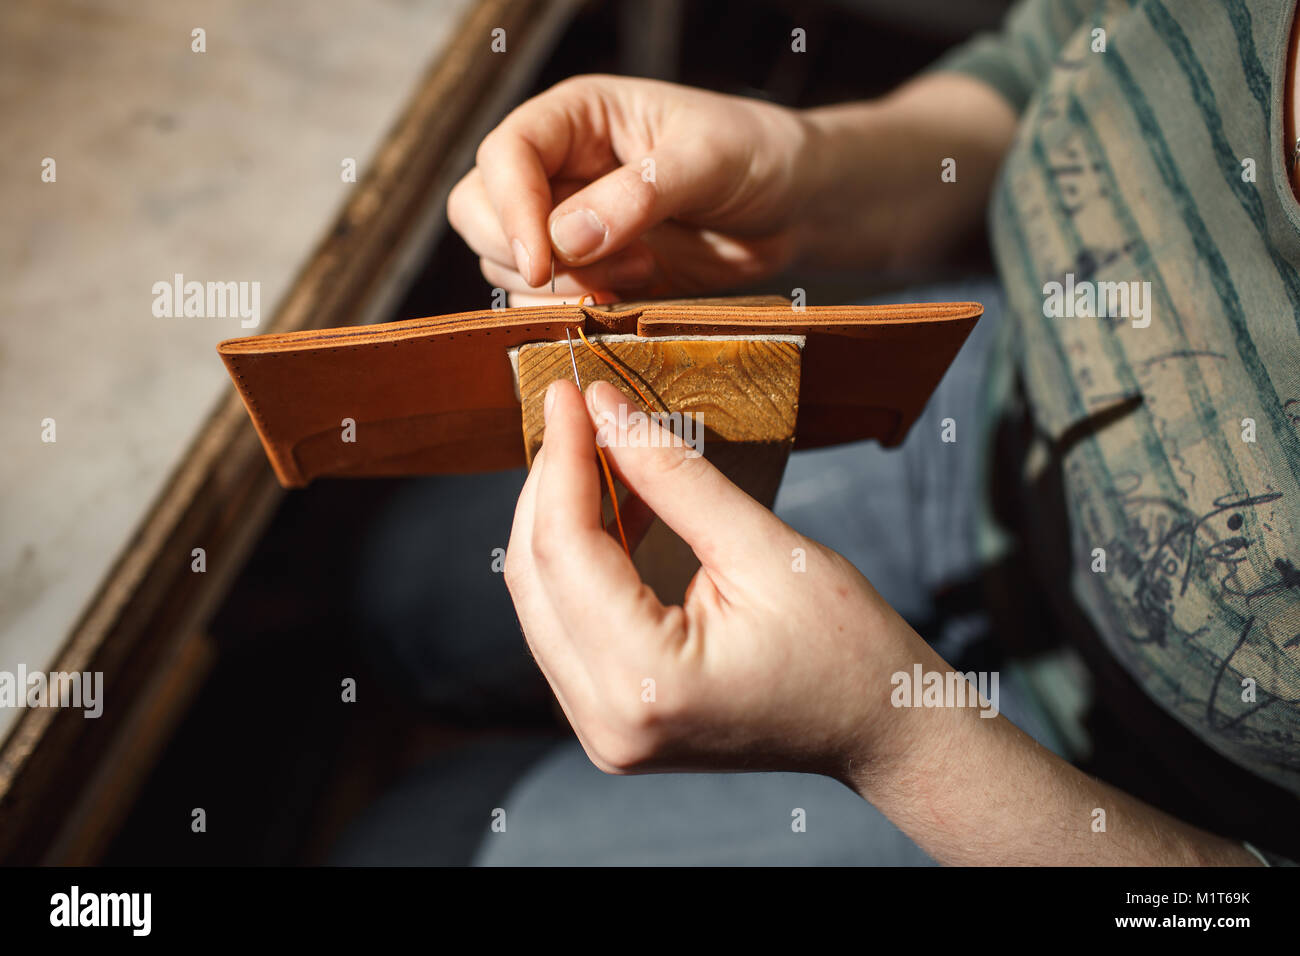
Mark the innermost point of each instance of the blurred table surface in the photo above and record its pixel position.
(223, 165)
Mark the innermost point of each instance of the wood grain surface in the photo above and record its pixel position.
(745, 391)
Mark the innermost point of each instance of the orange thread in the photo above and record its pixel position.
(622, 374)
(613, 499)
(609, 480)
(609, 477)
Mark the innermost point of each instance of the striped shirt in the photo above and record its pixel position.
(1148, 240)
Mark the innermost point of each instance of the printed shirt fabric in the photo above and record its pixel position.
(1160, 159)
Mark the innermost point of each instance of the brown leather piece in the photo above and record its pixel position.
(437, 395)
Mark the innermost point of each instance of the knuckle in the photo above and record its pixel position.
(639, 195)
(546, 552)
(621, 733)
(630, 715)
(637, 731)
(596, 756)
(619, 752)
(672, 461)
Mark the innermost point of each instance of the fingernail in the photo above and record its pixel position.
(523, 261)
(631, 271)
(577, 233)
(549, 400)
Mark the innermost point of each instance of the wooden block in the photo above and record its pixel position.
(742, 391)
(745, 388)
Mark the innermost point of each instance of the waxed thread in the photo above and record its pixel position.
(600, 453)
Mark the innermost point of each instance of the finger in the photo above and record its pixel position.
(625, 203)
(550, 137)
(569, 495)
(518, 550)
(531, 605)
(542, 629)
(590, 581)
(519, 191)
(628, 270)
(470, 213)
(729, 531)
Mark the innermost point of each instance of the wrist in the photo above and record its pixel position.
(899, 736)
(844, 212)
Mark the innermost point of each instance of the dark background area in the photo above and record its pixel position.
(280, 766)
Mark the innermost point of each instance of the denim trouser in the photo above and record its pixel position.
(906, 518)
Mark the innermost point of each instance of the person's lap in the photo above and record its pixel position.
(566, 812)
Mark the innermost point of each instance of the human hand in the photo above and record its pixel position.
(761, 668)
(642, 188)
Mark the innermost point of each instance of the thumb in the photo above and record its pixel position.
(731, 533)
(619, 207)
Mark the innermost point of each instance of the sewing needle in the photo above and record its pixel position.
(604, 463)
(573, 358)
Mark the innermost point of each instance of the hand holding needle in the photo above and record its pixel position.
(600, 453)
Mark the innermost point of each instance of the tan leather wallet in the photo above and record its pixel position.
(437, 395)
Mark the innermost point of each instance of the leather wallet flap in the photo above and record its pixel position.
(437, 395)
